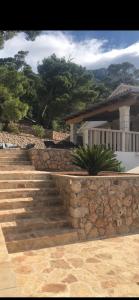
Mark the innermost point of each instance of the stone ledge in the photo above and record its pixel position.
(129, 176)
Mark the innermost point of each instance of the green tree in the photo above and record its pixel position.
(64, 88)
(13, 110)
(17, 62)
(13, 80)
(12, 89)
(21, 84)
(33, 91)
(20, 80)
(8, 34)
(4, 94)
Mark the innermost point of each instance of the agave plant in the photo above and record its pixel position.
(96, 159)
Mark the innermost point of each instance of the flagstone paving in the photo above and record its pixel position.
(107, 267)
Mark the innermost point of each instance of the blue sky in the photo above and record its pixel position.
(92, 49)
(115, 37)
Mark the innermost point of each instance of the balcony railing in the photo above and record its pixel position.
(117, 140)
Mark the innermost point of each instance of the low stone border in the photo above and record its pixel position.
(100, 206)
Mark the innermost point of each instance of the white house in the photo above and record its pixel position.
(113, 122)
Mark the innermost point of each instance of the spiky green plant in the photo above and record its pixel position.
(96, 159)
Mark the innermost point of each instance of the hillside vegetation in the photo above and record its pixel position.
(59, 88)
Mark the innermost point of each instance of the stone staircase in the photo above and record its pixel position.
(31, 213)
(14, 160)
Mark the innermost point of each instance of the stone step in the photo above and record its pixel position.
(15, 184)
(30, 212)
(13, 151)
(41, 239)
(13, 228)
(11, 167)
(27, 192)
(17, 162)
(14, 157)
(25, 175)
(28, 202)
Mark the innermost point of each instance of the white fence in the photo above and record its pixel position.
(117, 140)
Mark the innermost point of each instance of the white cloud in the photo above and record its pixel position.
(89, 52)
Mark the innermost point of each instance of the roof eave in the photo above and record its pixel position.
(96, 105)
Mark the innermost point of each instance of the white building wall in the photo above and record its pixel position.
(90, 124)
(130, 160)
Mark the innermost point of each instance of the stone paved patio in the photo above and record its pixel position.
(107, 267)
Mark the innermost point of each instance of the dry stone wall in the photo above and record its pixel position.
(52, 159)
(100, 207)
(21, 139)
(56, 135)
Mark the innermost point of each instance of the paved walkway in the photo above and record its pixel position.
(107, 267)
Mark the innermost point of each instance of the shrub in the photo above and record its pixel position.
(13, 110)
(13, 128)
(96, 159)
(59, 125)
(56, 125)
(1, 127)
(38, 131)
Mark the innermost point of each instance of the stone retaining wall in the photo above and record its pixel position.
(100, 207)
(56, 135)
(52, 159)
